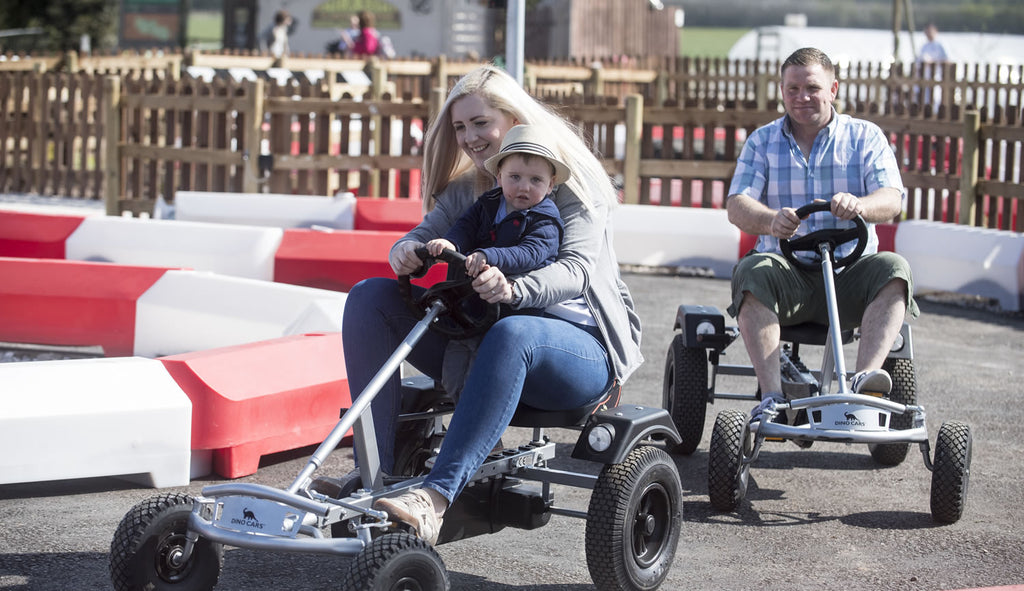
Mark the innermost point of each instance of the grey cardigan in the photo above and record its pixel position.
(586, 265)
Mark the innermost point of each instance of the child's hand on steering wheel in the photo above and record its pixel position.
(475, 262)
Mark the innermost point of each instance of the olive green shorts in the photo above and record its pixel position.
(797, 296)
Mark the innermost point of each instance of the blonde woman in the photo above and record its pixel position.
(588, 336)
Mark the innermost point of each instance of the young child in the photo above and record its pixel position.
(514, 226)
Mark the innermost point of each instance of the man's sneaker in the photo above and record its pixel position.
(872, 381)
(413, 508)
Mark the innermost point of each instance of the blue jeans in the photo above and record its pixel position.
(544, 362)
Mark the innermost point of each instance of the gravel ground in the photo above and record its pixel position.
(827, 518)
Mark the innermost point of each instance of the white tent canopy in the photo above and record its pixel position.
(846, 46)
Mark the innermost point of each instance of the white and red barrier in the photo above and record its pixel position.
(93, 417)
(238, 251)
(676, 237)
(229, 312)
(961, 259)
(260, 398)
(266, 209)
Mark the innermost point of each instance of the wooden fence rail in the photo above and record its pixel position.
(132, 140)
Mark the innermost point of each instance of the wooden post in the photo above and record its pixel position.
(441, 74)
(631, 163)
(969, 167)
(437, 96)
(596, 80)
(377, 85)
(251, 178)
(661, 87)
(529, 78)
(762, 91)
(37, 149)
(112, 137)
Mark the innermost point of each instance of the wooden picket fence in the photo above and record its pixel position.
(134, 139)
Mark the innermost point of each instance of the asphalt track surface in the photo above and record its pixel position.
(824, 518)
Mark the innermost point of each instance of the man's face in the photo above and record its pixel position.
(808, 93)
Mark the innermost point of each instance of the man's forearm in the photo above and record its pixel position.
(749, 215)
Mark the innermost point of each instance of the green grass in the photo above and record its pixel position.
(708, 41)
(205, 28)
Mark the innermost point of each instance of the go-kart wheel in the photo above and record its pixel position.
(338, 488)
(904, 391)
(728, 473)
(633, 521)
(397, 562)
(465, 314)
(951, 471)
(147, 547)
(834, 236)
(685, 392)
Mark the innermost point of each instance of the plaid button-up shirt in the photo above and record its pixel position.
(848, 156)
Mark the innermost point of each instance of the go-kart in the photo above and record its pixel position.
(887, 424)
(632, 524)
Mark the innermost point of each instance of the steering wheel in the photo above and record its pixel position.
(466, 314)
(833, 236)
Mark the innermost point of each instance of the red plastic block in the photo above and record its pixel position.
(261, 398)
(886, 237)
(392, 215)
(338, 260)
(72, 302)
(31, 235)
(747, 242)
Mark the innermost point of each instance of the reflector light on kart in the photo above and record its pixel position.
(600, 437)
(705, 327)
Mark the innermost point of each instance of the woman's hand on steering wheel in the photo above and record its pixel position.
(493, 286)
(403, 258)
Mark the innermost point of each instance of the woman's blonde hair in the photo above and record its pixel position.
(443, 160)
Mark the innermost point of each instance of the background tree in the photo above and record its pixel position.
(64, 21)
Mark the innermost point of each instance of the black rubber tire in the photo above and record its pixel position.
(685, 392)
(634, 520)
(146, 539)
(397, 562)
(731, 441)
(339, 488)
(951, 471)
(904, 391)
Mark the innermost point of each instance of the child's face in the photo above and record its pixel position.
(525, 181)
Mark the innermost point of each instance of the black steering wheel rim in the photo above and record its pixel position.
(465, 313)
(833, 236)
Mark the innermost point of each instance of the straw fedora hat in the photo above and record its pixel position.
(528, 139)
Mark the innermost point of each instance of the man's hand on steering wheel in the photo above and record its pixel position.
(846, 206)
(833, 236)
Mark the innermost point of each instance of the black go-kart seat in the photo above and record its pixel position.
(811, 333)
(528, 416)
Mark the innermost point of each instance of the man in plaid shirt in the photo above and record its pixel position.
(814, 153)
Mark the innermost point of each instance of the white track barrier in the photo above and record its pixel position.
(258, 209)
(93, 417)
(962, 259)
(238, 251)
(190, 311)
(676, 237)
